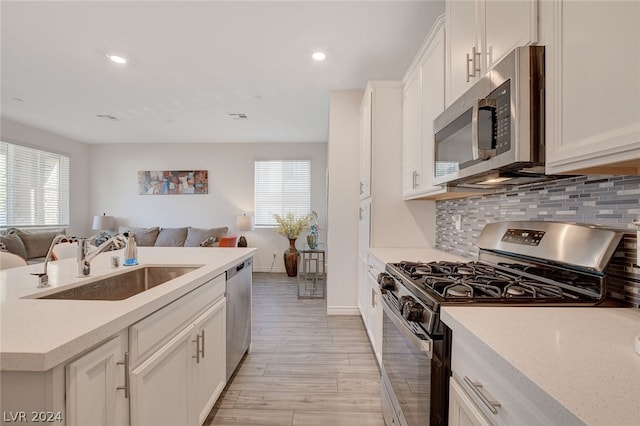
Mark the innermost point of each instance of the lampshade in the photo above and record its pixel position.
(244, 223)
(103, 223)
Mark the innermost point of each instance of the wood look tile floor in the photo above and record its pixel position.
(305, 367)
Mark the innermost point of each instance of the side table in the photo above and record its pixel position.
(312, 274)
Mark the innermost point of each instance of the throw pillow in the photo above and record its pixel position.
(37, 242)
(210, 242)
(171, 237)
(196, 236)
(145, 237)
(13, 244)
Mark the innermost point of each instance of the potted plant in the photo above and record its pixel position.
(290, 226)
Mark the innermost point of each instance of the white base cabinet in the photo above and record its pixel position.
(593, 95)
(484, 387)
(210, 369)
(166, 369)
(178, 381)
(161, 387)
(96, 386)
(462, 410)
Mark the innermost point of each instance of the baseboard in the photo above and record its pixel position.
(274, 270)
(343, 310)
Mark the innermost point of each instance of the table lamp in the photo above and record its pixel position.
(243, 224)
(103, 223)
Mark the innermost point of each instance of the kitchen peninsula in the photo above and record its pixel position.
(49, 347)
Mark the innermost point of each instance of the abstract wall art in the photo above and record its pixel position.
(173, 182)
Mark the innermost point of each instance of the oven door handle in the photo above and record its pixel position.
(425, 346)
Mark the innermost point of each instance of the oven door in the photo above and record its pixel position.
(414, 376)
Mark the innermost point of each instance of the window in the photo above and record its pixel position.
(34, 187)
(281, 187)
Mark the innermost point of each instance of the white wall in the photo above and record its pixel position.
(343, 202)
(114, 184)
(79, 216)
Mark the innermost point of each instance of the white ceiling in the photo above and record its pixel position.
(191, 63)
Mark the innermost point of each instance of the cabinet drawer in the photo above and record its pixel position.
(149, 334)
(486, 378)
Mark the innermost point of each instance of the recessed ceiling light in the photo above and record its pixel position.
(319, 56)
(117, 59)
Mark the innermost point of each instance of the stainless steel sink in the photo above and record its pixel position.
(123, 286)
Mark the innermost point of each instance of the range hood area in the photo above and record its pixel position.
(497, 179)
(493, 136)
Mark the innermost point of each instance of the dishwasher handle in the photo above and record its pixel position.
(237, 268)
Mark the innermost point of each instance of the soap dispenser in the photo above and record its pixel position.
(131, 251)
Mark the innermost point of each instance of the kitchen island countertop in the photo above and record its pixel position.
(38, 334)
(581, 357)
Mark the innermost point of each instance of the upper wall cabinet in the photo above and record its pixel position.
(480, 33)
(593, 86)
(423, 101)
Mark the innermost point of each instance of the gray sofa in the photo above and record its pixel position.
(33, 245)
(176, 237)
(30, 244)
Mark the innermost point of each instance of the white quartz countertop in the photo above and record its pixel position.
(581, 357)
(393, 255)
(38, 334)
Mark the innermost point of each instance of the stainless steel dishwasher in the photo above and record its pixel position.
(238, 313)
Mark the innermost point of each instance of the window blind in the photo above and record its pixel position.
(281, 187)
(34, 187)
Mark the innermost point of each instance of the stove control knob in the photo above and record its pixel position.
(405, 300)
(386, 282)
(413, 311)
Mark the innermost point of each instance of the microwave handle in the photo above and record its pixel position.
(480, 153)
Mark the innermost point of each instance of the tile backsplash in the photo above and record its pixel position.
(612, 201)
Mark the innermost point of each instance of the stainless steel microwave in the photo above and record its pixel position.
(494, 134)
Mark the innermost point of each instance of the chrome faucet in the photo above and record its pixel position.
(43, 278)
(85, 256)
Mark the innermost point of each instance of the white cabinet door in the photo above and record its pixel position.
(462, 41)
(433, 81)
(210, 363)
(375, 316)
(363, 295)
(482, 32)
(593, 95)
(508, 24)
(95, 386)
(462, 410)
(365, 146)
(364, 227)
(412, 133)
(423, 102)
(161, 387)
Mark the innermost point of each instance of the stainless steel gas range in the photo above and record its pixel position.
(519, 264)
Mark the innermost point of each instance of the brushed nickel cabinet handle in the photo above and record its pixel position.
(202, 349)
(197, 355)
(126, 386)
(476, 66)
(476, 387)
